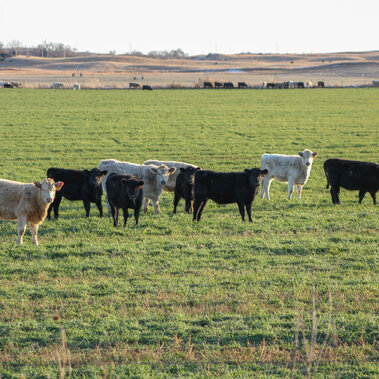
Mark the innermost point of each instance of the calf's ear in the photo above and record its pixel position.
(38, 184)
(103, 173)
(58, 185)
(140, 184)
(314, 155)
(264, 172)
(197, 168)
(300, 153)
(171, 170)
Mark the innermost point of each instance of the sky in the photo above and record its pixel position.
(196, 26)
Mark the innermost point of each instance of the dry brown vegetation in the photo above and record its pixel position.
(109, 71)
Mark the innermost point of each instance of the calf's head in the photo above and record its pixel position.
(95, 176)
(255, 176)
(307, 157)
(189, 174)
(162, 173)
(131, 187)
(48, 188)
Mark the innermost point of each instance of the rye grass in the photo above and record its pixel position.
(294, 293)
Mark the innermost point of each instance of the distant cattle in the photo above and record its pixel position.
(208, 85)
(124, 192)
(8, 85)
(270, 85)
(154, 177)
(228, 85)
(294, 169)
(184, 187)
(79, 185)
(309, 84)
(351, 175)
(58, 85)
(27, 203)
(242, 85)
(218, 85)
(147, 87)
(226, 188)
(320, 84)
(76, 86)
(133, 85)
(299, 85)
(171, 182)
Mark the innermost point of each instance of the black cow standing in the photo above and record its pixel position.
(227, 188)
(351, 175)
(184, 187)
(123, 192)
(79, 185)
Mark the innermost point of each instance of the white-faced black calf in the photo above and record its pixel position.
(79, 185)
(226, 188)
(184, 187)
(123, 192)
(351, 175)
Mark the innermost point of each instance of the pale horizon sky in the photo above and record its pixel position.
(197, 27)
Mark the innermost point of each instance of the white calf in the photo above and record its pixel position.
(154, 177)
(27, 203)
(294, 169)
(170, 186)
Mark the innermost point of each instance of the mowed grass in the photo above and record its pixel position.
(293, 293)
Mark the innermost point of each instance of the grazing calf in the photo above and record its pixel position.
(123, 192)
(352, 175)
(226, 188)
(171, 182)
(79, 185)
(294, 169)
(147, 87)
(26, 203)
(208, 85)
(154, 177)
(184, 187)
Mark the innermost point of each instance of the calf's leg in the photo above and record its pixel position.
(373, 195)
(176, 201)
(126, 215)
(248, 211)
(201, 208)
(291, 183)
(21, 226)
(241, 208)
(114, 212)
(362, 194)
(334, 190)
(34, 230)
(99, 207)
(299, 187)
(265, 190)
(87, 207)
(146, 204)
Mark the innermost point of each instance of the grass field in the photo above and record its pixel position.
(294, 293)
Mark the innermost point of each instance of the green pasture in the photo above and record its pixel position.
(295, 293)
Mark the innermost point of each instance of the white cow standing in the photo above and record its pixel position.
(154, 177)
(170, 186)
(294, 169)
(27, 203)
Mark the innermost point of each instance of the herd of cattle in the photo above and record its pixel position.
(127, 184)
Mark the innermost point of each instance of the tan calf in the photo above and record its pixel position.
(27, 203)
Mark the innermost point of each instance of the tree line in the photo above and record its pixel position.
(59, 50)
